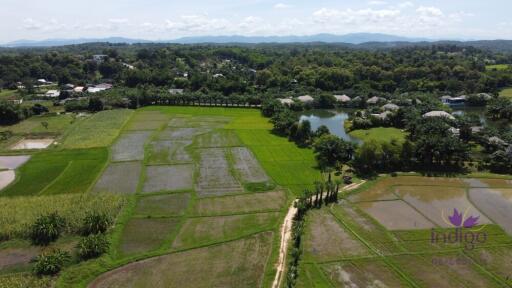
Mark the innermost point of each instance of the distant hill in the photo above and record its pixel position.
(64, 42)
(355, 38)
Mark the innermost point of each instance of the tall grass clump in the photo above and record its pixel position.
(17, 214)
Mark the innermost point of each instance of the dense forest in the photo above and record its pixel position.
(254, 69)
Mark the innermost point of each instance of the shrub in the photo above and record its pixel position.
(46, 229)
(92, 246)
(95, 223)
(51, 263)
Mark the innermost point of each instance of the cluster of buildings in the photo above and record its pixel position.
(72, 89)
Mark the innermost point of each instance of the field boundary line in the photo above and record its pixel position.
(56, 178)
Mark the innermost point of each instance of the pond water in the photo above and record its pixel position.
(332, 119)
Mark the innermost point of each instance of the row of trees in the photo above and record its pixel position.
(231, 70)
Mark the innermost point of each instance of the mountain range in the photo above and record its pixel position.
(354, 38)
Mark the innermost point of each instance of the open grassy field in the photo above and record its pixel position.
(99, 130)
(497, 67)
(199, 193)
(18, 212)
(57, 124)
(383, 234)
(58, 172)
(379, 134)
(506, 93)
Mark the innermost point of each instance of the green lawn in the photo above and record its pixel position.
(287, 164)
(379, 134)
(56, 125)
(506, 93)
(5, 93)
(498, 67)
(99, 130)
(58, 172)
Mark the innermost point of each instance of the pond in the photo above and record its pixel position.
(332, 119)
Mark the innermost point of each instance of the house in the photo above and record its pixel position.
(484, 96)
(438, 114)
(130, 67)
(454, 131)
(448, 100)
(95, 89)
(390, 107)
(294, 81)
(176, 91)
(99, 57)
(52, 93)
(43, 82)
(78, 89)
(286, 101)
(384, 115)
(218, 75)
(104, 86)
(305, 99)
(374, 100)
(14, 100)
(68, 86)
(497, 141)
(476, 129)
(342, 98)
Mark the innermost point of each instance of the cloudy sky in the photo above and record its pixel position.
(168, 19)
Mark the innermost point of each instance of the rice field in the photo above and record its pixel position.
(396, 233)
(98, 130)
(58, 172)
(18, 212)
(197, 192)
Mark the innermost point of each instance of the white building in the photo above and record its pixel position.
(52, 93)
(305, 99)
(438, 114)
(342, 98)
(286, 101)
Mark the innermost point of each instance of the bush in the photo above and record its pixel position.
(46, 229)
(95, 223)
(92, 246)
(52, 263)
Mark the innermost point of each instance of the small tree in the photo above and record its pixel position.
(51, 263)
(46, 229)
(45, 125)
(95, 223)
(92, 246)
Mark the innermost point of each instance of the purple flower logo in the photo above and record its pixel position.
(458, 220)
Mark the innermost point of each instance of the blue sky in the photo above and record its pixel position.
(164, 19)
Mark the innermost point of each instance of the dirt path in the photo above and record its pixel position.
(286, 234)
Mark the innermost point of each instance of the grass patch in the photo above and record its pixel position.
(238, 263)
(162, 205)
(507, 92)
(16, 213)
(144, 235)
(57, 125)
(497, 67)
(58, 172)
(99, 130)
(379, 134)
(208, 230)
(248, 203)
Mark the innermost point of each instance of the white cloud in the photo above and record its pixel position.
(430, 11)
(31, 24)
(377, 3)
(349, 16)
(118, 20)
(282, 6)
(405, 5)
